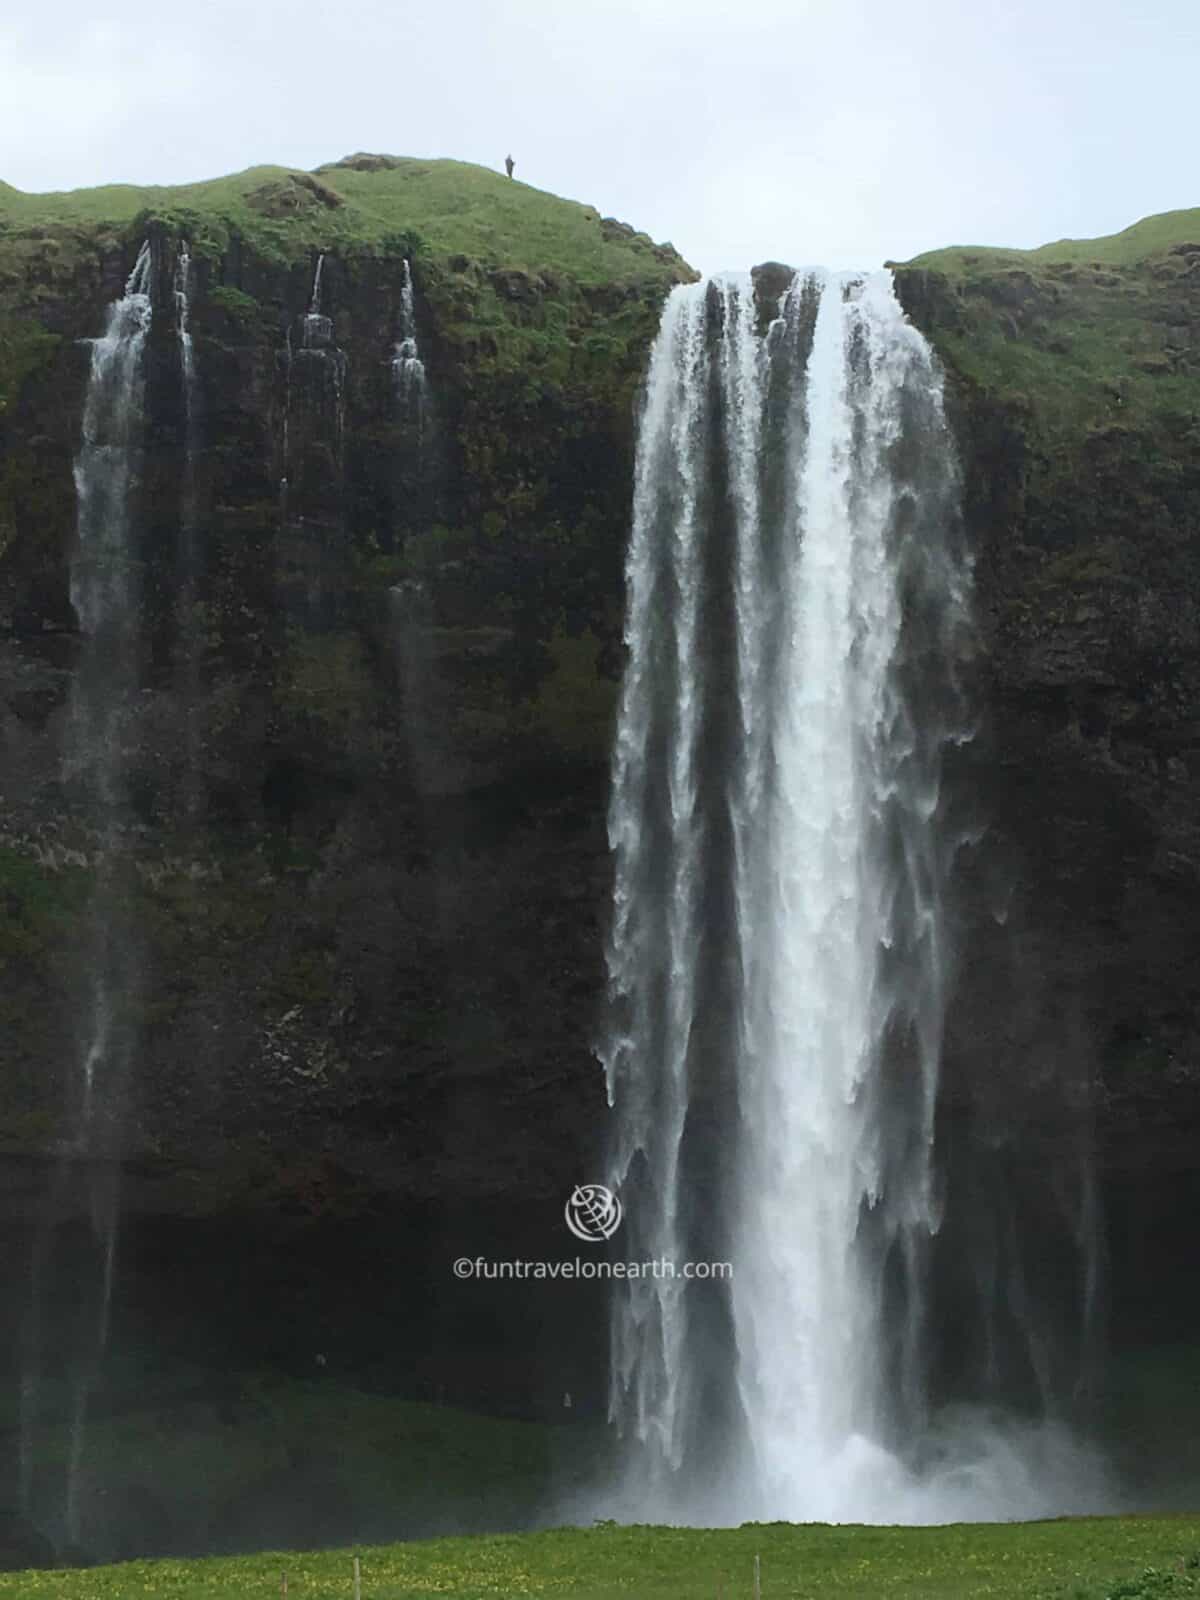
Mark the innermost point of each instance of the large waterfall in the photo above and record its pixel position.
(779, 957)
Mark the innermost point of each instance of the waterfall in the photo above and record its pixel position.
(779, 960)
(183, 290)
(105, 592)
(317, 346)
(408, 370)
(317, 332)
(312, 501)
(105, 588)
(187, 368)
(189, 642)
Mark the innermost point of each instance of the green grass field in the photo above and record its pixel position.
(1118, 1558)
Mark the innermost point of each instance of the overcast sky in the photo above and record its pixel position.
(833, 131)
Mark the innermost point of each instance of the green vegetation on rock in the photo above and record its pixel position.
(1150, 236)
(438, 207)
(1088, 335)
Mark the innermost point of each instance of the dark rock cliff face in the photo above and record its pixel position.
(1075, 391)
(368, 762)
(365, 847)
(368, 769)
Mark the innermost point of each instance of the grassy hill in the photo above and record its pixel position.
(1082, 333)
(444, 207)
(1109, 1559)
(1151, 236)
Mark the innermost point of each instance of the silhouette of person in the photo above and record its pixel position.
(508, 165)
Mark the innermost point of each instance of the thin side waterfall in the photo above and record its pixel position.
(183, 304)
(317, 345)
(316, 333)
(314, 304)
(106, 594)
(312, 415)
(316, 329)
(779, 957)
(187, 368)
(408, 370)
(188, 562)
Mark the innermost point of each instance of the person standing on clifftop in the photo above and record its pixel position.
(508, 165)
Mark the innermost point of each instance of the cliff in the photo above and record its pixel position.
(367, 760)
(1075, 388)
(368, 756)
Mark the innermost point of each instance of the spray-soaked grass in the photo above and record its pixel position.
(1084, 1559)
(286, 1463)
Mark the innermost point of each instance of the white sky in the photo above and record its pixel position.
(833, 131)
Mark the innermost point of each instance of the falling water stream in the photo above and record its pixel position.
(324, 365)
(189, 643)
(106, 595)
(408, 369)
(798, 614)
(187, 368)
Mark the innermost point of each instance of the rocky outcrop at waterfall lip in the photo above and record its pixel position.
(771, 279)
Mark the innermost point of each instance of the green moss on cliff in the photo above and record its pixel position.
(23, 345)
(37, 902)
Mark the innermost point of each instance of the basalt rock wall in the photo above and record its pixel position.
(368, 756)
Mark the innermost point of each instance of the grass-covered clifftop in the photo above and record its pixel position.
(513, 273)
(1086, 333)
(444, 207)
(1076, 373)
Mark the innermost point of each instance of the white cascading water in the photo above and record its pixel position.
(105, 592)
(188, 565)
(317, 328)
(187, 370)
(317, 344)
(408, 369)
(183, 312)
(322, 365)
(797, 616)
